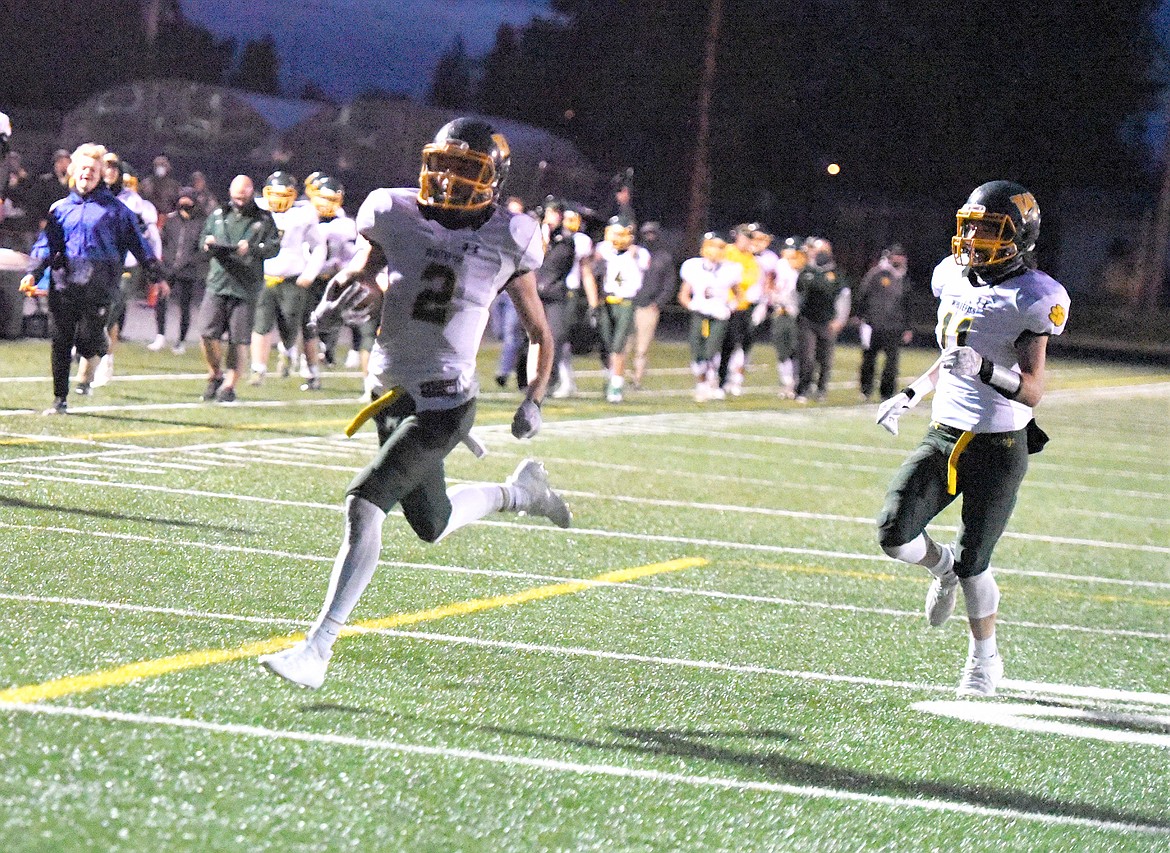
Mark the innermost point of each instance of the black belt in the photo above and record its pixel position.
(954, 432)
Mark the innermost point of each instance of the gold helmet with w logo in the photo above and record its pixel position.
(996, 228)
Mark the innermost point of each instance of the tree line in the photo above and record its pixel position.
(910, 99)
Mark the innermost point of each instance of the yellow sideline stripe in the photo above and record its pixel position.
(74, 684)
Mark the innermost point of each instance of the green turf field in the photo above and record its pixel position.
(715, 657)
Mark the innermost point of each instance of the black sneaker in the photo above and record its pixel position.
(314, 384)
(84, 389)
(226, 395)
(58, 408)
(212, 388)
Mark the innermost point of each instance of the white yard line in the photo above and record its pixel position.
(545, 578)
(585, 769)
(721, 543)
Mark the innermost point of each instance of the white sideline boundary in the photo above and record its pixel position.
(579, 768)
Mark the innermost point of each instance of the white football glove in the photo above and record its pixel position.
(962, 361)
(892, 409)
(527, 420)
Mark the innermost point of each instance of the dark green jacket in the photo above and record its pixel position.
(818, 291)
(231, 274)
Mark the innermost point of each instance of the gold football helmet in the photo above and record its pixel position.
(714, 247)
(997, 226)
(619, 233)
(464, 167)
(280, 191)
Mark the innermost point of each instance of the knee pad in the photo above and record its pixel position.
(908, 552)
(981, 594)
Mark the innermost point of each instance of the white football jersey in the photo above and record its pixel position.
(768, 261)
(340, 235)
(990, 319)
(712, 286)
(302, 246)
(441, 284)
(148, 213)
(624, 271)
(784, 288)
(582, 248)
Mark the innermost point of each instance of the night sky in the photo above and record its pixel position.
(347, 46)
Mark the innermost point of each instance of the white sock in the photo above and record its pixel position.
(472, 501)
(945, 567)
(352, 569)
(617, 381)
(982, 648)
(736, 362)
(257, 367)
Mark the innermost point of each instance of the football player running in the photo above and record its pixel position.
(449, 248)
(995, 314)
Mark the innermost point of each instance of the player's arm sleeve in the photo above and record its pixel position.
(844, 300)
(1046, 312)
(526, 233)
(318, 250)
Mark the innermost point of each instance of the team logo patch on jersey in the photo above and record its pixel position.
(1056, 315)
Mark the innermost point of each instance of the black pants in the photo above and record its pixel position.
(80, 315)
(739, 336)
(887, 342)
(182, 289)
(817, 345)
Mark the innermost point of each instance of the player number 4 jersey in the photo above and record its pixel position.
(990, 319)
(441, 283)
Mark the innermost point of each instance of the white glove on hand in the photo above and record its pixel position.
(962, 361)
(892, 409)
(526, 422)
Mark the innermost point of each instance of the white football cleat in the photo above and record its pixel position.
(353, 359)
(303, 664)
(981, 676)
(538, 498)
(940, 599)
(158, 343)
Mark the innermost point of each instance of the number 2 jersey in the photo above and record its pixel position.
(990, 319)
(441, 283)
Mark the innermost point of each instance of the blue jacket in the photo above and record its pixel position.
(86, 239)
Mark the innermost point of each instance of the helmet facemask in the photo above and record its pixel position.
(621, 237)
(326, 202)
(456, 177)
(983, 238)
(279, 198)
